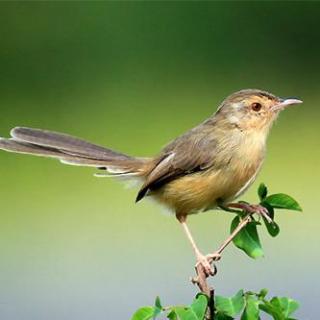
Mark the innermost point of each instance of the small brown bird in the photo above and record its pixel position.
(208, 166)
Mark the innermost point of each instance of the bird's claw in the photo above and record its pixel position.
(205, 265)
(264, 213)
(258, 209)
(213, 257)
(205, 261)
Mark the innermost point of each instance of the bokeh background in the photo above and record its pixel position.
(132, 76)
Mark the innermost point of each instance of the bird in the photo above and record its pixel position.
(205, 168)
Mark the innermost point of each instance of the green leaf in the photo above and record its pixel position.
(157, 303)
(185, 313)
(230, 306)
(172, 315)
(287, 305)
(273, 228)
(247, 239)
(196, 311)
(263, 293)
(272, 310)
(222, 316)
(282, 201)
(144, 313)
(157, 308)
(262, 191)
(251, 311)
(199, 305)
(279, 308)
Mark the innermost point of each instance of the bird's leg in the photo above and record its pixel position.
(252, 208)
(204, 260)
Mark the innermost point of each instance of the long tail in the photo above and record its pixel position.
(71, 150)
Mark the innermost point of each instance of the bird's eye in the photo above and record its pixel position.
(256, 106)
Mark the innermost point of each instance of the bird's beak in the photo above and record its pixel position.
(285, 103)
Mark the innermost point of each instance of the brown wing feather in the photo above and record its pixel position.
(187, 154)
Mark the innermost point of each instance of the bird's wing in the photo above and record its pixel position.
(189, 153)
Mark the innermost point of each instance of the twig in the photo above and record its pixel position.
(211, 308)
(240, 226)
(201, 279)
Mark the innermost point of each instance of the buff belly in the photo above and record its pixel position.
(200, 191)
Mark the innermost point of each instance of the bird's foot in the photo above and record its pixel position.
(213, 256)
(256, 208)
(206, 261)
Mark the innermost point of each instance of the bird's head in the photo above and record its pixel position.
(253, 109)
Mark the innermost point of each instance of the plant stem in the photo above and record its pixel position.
(201, 278)
(241, 225)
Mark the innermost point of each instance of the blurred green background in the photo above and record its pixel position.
(132, 76)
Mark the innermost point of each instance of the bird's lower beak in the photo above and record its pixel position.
(285, 103)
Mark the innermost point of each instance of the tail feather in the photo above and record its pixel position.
(72, 150)
(64, 142)
(12, 145)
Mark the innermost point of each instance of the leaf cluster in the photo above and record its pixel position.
(195, 311)
(246, 305)
(248, 238)
(243, 305)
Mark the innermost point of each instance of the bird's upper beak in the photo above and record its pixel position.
(285, 103)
